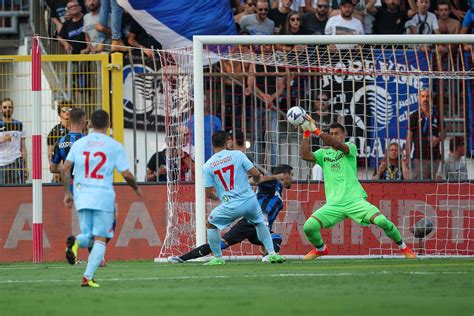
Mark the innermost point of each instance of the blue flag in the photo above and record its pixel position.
(174, 22)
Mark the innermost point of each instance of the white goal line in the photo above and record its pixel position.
(254, 276)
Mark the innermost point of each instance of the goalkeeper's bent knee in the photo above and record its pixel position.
(311, 225)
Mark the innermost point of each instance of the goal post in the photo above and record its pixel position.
(320, 64)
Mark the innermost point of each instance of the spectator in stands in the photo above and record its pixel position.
(392, 166)
(259, 23)
(153, 173)
(237, 6)
(212, 124)
(58, 13)
(237, 90)
(293, 25)
(445, 23)
(344, 23)
(249, 8)
(468, 22)
(110, 7)
(454, 168)
(423, 22)
(315, 22)
(310, 6)
(139, 37)
(297, 5)
(323, 115)
(279, 14)
(72, 36)
(359, 10)
(424, 132)
(389, 19)
(460, 8)
(13, 155)
(468, 26)
(176, 161)
(59, 130)
(90, 20)
(268, 90)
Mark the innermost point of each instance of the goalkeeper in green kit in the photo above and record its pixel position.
(345, 196)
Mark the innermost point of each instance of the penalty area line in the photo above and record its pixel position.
(250, 276)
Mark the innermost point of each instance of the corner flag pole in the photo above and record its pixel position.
(36, 159)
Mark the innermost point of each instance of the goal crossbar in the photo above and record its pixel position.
(199, 57)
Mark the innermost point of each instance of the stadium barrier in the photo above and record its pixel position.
(87, 81)
(141, 224)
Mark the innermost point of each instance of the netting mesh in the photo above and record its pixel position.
(372, 89)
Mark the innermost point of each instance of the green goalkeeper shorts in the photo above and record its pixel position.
(359, 210)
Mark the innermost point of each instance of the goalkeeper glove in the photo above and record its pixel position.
(309, 126)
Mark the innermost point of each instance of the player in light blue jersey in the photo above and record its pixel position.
(94, 157)
(227, 172)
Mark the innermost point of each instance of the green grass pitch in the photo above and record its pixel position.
(322, 287)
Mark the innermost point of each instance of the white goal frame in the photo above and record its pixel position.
(198, 78)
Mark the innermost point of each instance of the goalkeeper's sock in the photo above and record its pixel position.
(321, 247)
(95, 257)
(401, 245)
(198, 252)
(311, 228)
(214, 239)
(390, 230)
(265, 238)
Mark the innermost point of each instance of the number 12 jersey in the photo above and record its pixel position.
(95, 157)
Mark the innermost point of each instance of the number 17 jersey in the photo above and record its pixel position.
(226, 171)
(95, 157)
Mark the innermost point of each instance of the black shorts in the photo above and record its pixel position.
(240, 231)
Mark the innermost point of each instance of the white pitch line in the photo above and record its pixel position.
(54, 267)
(280, 275)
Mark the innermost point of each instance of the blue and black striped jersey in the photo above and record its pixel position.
(269, 197)
(63, 145)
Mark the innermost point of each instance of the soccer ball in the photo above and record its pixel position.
(423, 228)
(296, 116)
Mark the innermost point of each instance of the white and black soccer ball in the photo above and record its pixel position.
(422, 228)
(296, 116)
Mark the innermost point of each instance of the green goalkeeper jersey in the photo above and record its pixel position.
(340, 174)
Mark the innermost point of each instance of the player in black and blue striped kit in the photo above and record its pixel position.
(77, 119)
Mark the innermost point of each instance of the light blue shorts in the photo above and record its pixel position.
(226, 213)
(96, 223)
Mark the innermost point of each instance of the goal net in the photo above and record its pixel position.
(370, 85)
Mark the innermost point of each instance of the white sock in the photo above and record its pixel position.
(402, 246)
(322, 248)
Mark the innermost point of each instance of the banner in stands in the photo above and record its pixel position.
(142, 94)
(174, 23)
(393, 98)
(376, 106)
(141, 224)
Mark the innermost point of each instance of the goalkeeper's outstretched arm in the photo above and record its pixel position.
(335, 138)
(305, 152)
